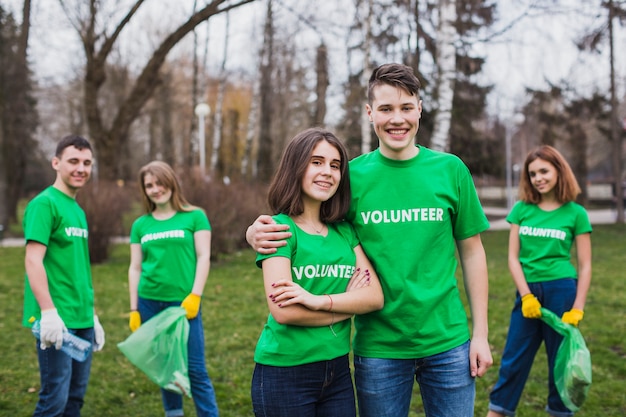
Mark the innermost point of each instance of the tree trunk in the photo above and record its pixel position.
(322, 85)
(366, 129)
(4, 209)
(219, 104)
(249, 168)
(446, 64)
(265, 137)
(167, 132)
(578, 141)
(19, 121)
(616, 137)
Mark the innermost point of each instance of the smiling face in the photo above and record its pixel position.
(159, 194)
(323, 173)
(395, 115)
(73, 169)
(543, 176)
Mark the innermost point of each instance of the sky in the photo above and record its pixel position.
(537, 50)
(540, 50)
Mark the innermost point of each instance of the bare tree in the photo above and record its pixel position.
(18, 119)
(446, 69)
(98, 46)
(218, 114)
(366, 129)
(266, 96)
(590, 41)
(616, 137)
(248, 163)
(321, 66)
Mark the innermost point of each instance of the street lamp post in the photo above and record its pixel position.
(507, 150)
(202, 110)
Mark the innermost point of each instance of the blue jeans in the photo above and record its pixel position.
(523, 341)
(202, 390)
(318, 389)
(384, 386)
(63, 380)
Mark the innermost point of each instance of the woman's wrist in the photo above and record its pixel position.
(330, 302)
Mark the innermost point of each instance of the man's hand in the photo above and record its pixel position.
(531, 307)
(134, 321)
(573, 317)
(480, 356)
(265, 236)
(98, 331)
(51, 328)
(191, 304)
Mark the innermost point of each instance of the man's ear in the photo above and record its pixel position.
(55, 163)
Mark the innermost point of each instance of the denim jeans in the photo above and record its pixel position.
(318, 389)
(63, 380)
(384, 386)
(202, 390)
(523, 341)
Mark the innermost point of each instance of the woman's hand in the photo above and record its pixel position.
(287, 292)
(360, 279)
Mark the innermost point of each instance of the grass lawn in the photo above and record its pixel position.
(234, 312)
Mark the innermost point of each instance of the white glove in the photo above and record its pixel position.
(51, 328)
(98, 331)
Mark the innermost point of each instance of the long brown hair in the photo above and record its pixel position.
(167, 178)
(285, 192)
(566, 188)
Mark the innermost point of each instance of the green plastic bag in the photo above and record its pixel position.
(159, 349)
(572, 368)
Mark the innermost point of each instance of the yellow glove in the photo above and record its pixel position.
(191, 303)
(135, 321)
(531, 306)
(573, 317)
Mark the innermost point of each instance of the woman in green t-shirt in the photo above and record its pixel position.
(313, 286)
(170, 255)
(544, 226)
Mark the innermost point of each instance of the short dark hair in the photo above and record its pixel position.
(566, 188)
(76, 141)
(396, 75)
(285, 192)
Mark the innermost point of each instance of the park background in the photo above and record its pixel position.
(216, 88)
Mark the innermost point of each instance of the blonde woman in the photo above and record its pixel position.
(170, 252)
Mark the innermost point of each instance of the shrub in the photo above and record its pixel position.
(231, 208)
(105, 204)
(111, 207)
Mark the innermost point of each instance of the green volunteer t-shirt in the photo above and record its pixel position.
(169, 259)
(55, 220)
(408, 216)
(320, 265)
(546, 239)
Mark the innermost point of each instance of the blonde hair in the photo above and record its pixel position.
(166, 176)
(566, 188)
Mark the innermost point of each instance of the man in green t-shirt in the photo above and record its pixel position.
(412, 208)
(58, 290)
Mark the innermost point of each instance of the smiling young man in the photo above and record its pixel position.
(58, 288)
(412, 208)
